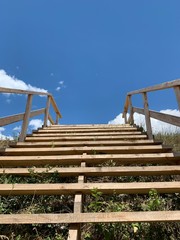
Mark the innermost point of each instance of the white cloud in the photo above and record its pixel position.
(17, 128)
(2, 136)
(12, 82)
(35, 123)
(58, 88)
(61, 82)
(157, 126)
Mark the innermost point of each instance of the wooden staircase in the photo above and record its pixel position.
(85, 151)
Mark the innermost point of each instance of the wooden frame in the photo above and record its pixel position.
(28, 113)
(149, 113)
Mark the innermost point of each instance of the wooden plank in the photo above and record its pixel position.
(177, 92)
(97, 171)
(90, 150)
(18, 117)
(50, 119)
(147, 116)
(75, 229)
(126, 159)
(56, 109)
(80, 138)
(174, 120)
(86, 134)
(131, 129)
(86, 188)
(18, 91)
(165, 118)
(79, 126)
(84, 143)
(47, 111)
(157, 87)
(106, 217)
(26, 118)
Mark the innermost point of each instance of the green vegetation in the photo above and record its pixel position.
(95, 202)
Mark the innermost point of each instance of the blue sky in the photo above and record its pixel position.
(95, 50)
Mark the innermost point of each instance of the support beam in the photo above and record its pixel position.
(147, 116)
(26, 118)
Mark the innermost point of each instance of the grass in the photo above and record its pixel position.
(95, 202)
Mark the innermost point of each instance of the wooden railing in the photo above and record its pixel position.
(28, 113)
(174, 120)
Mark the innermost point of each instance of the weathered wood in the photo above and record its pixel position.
(75, 229)
(157, 87)
(18, 117)
(160, 116)
(85, 143)
(18, 91)
(50, 119)
(26, 118)
(88, 126)
(126, 159)
(47, 111)
(131, 118)
(147, 116)
(126, 106)
(177, 92)
(87, 134)
(90, 150)
(107, 217)
(83, 138)
(97, 171)
(50, 130)
(53, 103)
(86, 188)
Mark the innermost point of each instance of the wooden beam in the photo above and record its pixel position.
(82, 138)
(18, 91)
(51, 130)
(107, 217)
(50, 119)
(147, 116)
(126, 159)
(85, 143)
(90, 150)
(97, 171)
(174, 120)
(56, 109)
(177, 92)
(18, 117)
(47, 111)
(26, 118)
(157, 87)
(86, 188)
(39, 134)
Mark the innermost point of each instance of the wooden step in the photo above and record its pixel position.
(97, 171)
(90, 150)
(83, 138)
(89, 126)
(85, 134)
(86, 188)
(84, 143)
(98, 130)
(126, 159)
(106, 217)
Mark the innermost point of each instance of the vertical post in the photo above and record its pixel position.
(75, 229)
(57, 118)
(131, 117)
(47, 111)
(26, 118)
(147, 116)
(125, 118)
(177, 92)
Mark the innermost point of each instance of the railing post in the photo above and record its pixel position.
(26, 118)
(57, 118)
(177, 92)
(47, 111)
(131, 117)
(147, 116)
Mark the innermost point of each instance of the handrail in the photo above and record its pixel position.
(28, 113)
(174, 120)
